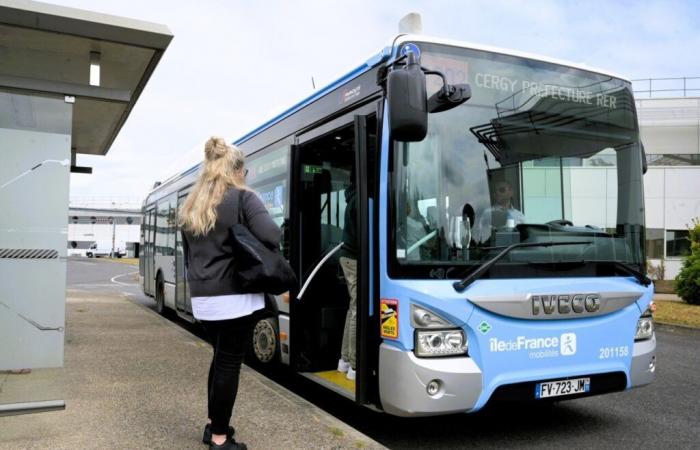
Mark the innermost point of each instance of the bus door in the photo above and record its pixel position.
(149, 237)
(329, 187)
(182, 298)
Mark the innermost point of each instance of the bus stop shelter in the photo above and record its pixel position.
(68, 80)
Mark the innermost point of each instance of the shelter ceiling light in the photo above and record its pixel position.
(95, 68)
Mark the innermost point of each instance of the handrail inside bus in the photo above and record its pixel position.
(318, 266)
(420, 242)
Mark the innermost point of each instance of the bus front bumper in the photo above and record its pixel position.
(404, 379)
(643, 369)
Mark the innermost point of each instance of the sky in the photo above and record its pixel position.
(234, 64)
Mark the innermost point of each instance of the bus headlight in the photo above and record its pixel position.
(645, 324)
(440, 343)
(645, 328)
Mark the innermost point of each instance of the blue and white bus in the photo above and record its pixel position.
(500, 215)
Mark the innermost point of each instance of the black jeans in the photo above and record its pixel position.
(230, 339)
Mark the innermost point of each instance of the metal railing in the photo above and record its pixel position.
(667, 87)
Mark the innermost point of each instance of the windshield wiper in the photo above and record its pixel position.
(460, 286)
(629, 270)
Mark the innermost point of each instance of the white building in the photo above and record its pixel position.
(106, 227)
(670, 130)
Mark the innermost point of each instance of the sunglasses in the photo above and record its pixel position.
(502, 190)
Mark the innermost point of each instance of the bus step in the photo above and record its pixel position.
(333, 380)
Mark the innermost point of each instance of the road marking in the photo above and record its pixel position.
(90, 285)
(114, 279)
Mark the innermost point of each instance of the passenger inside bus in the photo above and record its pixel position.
(348, 262)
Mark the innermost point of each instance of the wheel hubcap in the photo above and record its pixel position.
(264, 341)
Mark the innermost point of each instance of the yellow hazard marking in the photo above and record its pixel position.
(337, 378)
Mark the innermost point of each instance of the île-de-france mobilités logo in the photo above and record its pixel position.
(567, 344)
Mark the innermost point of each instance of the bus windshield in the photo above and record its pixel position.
(541, 152)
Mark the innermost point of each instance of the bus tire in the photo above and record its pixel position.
(160, 295)
(265, 345)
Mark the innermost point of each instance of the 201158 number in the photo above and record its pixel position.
(614, 352)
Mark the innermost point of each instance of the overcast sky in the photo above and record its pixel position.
(234, 64)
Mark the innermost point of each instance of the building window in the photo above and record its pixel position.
(670, 159)
(654, 243)
(677, 243)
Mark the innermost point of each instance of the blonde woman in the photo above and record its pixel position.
(217, 302)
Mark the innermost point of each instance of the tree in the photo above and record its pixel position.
(688, 280)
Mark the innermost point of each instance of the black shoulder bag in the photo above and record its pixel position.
(258, 269)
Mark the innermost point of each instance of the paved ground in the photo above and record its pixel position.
(661, 415)
(133, 379)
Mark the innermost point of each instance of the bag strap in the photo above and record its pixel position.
(241, 216)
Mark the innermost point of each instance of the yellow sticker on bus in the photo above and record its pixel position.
(389, 310)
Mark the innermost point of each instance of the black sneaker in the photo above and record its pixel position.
(229, 444)
(206, 437)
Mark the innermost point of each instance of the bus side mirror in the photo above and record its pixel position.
(645, 164)
(408, 111)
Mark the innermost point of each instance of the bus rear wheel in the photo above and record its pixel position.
(265, 342)
(160, 296)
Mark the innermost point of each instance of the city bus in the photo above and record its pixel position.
(499, 209)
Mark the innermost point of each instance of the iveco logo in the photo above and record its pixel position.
(565, 304)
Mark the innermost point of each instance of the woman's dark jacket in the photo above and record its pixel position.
(209, 258)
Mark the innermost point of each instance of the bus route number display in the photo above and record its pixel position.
(389, 310)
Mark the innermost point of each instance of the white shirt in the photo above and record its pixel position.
(224, 307)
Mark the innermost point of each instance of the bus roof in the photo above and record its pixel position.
(491, 49)
(379, 58)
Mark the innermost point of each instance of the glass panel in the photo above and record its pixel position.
(654, 243)
(35, 149)
(539, 153)
(268, 175)
(166, 224)
(677, 243)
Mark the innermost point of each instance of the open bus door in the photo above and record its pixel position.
(330, 161)
(367, 389)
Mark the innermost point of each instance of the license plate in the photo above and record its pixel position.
(562, 387)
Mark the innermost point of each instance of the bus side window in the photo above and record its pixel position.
(268, 176)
